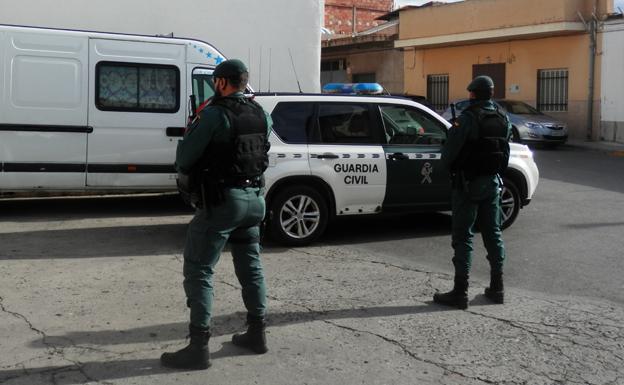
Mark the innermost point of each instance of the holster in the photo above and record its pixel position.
(459, 181)
(212, 192)
(188, 190)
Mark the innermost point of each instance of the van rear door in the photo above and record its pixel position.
(137, 108)
(43, 113)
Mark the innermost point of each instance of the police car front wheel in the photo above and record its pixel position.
(299, 215)
(510, 202)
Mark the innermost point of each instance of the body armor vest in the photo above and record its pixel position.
(246, 155)
(488, 153)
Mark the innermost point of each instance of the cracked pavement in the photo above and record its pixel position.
(102, 312)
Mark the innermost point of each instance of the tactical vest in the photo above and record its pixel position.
(488, 153)
(245, 157)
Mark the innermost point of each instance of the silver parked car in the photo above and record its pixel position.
(529, 124)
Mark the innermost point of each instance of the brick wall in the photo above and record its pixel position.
(339, 14)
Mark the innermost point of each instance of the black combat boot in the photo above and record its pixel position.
(195, 356)
(496, 291)
(458, 297)
(255, 338)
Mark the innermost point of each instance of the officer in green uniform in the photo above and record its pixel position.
(224, 155)
(476, 151)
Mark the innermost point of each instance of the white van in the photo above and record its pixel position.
(95, 111)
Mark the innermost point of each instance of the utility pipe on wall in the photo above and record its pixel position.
(592, 65)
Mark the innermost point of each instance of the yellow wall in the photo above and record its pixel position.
(483, 15)
(523, 59)
(387, 65)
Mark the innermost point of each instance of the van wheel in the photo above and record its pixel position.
(510, 202)
(299, 215)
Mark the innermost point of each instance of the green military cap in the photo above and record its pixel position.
(229, 68)
(481, 83)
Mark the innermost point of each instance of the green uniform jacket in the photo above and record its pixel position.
(464, 129)
(211, 126)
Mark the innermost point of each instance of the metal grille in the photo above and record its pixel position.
(552, 90)
(437, 91)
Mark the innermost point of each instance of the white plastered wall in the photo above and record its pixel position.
(262, 33)
(612, 98)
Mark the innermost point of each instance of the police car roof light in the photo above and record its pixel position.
(353, 88)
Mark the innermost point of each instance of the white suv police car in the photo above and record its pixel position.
(338, 155)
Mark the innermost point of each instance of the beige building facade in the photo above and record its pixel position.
(536, 51)
(366, 57)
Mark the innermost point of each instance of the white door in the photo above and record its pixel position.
(43, 110)
(346, 151)
(137, 108)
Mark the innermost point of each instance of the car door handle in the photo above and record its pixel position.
(175, 131)
(327, 156)
(399, 156)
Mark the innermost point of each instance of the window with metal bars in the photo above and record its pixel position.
(437, 91)
(552, 90)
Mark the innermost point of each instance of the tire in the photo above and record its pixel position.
(510, 202)
(299, 215)
(515, 135)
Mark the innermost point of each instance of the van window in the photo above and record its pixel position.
(292, 120)
(203, 86)
(137, 87)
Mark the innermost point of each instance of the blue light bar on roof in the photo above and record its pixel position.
(353, 88)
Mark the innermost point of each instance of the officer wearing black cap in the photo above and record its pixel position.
(476, 152)
(225, 153)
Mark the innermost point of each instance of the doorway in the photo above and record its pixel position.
(497, 72)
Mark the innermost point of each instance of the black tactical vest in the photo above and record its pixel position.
(246, 155)
(488, 153)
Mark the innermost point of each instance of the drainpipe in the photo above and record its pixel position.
(354, 20)
(592, 66)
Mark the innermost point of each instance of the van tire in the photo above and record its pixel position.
(298, 215)
(510, 202)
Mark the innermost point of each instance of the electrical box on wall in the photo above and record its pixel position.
(514, 88)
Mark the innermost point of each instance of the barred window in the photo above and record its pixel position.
(552, 90)
(437, 91)
(333, 65)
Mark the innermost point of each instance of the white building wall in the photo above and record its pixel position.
(262, 33)
(612, 98)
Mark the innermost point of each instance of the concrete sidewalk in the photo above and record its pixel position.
(337, 317)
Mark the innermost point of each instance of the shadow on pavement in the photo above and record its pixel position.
(100, 371)
(222, 325)
(159, 239)
(228, 324)
(94, 242)
(64, 208)
(379, 228)
(593, 225)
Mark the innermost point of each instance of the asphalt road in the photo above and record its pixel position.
(569, 240)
